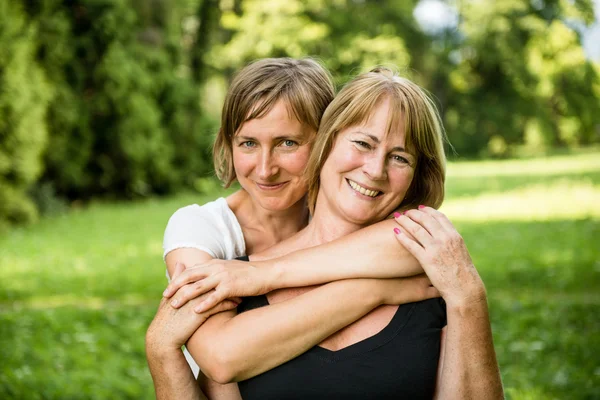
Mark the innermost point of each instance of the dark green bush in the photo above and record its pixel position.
(24, 97)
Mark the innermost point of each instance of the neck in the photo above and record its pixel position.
(270, 226)
(327, 224)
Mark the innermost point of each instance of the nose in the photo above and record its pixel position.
(267, 166)
(375, 167)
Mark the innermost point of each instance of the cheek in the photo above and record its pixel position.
(295, 163)
(402, 179)
(242, 163)
(346, 159)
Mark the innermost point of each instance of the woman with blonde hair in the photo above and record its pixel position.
(379, 149)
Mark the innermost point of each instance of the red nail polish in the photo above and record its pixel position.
(396, 214)
(421, 206)
(396, 231)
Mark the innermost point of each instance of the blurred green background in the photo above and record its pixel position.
(108, 109)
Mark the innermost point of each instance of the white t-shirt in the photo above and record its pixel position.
(212, 228)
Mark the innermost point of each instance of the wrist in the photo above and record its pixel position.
(161, 352)
(373, 292)
(472, 305)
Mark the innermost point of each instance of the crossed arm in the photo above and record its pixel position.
(226, 346)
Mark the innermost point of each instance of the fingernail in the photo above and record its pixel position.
(396, 214)
(174, 303)
(421, 206)
(396, 231)
(165, 293)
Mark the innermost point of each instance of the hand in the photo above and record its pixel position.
(432, 239)
(398, 291)
(171, 328)
(222, 279)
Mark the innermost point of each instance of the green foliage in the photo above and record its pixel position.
(112, 98)
(24, 98)
(521, 79)
(79, 290)
(118, 69)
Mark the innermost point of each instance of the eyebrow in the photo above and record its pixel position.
(288, 136)
(376, 140)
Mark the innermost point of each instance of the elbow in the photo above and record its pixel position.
(219, 366)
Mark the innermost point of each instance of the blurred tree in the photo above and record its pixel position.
(24, 97)
(126, 99)
(521, 77)
(102, 97)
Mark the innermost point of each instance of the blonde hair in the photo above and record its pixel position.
(305, 86)
(424, 132)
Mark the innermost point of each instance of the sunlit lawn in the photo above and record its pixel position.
(77, 291)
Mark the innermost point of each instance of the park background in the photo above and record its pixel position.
(108, 109)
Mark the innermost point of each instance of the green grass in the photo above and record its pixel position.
(77, 291)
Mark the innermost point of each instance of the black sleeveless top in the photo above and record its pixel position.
(399, 362)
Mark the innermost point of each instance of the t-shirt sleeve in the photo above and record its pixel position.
(197, 227)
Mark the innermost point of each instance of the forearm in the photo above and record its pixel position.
(371, 252)
(172, 376)
(238, 348)
(470, 369)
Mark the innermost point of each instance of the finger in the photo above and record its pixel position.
(409, 244)
(439, 216)
(189, 292)
(415, 229)
(211, 301)
(426, 220)
(225, 305)
(178, 270)
(188, 276)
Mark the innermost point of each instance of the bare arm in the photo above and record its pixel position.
(469, 369)
(231, 347)
(371, 252)
(171, 374)
(173, 379)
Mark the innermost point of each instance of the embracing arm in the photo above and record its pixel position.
(371, 252)
(231, 347)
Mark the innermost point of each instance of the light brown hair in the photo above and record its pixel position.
(305, 86)
(424, 132)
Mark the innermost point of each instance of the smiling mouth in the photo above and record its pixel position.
(270, 186)
(364, 191)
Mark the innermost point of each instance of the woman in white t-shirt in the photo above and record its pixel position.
(270, 118)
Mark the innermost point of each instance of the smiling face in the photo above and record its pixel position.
(269, 157)
(368, 171)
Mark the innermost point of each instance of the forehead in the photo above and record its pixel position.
(384, 122)
(277, 121)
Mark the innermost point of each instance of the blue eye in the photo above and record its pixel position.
(288, 143)
(248, 144)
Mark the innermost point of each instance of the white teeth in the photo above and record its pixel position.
(362, 190)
